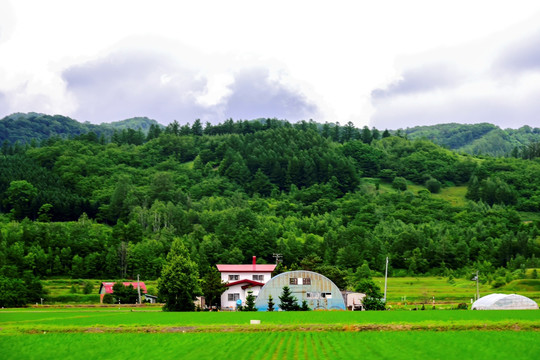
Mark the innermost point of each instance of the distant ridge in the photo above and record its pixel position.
(476, 139)
(23, 127)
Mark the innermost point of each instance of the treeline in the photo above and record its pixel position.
(319, 195)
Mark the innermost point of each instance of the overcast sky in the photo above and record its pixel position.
(389, 64)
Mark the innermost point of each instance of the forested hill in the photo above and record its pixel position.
(25, 128)
(477, 139)
(331, 199)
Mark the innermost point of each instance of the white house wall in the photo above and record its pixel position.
(245, 275)
(225, 303)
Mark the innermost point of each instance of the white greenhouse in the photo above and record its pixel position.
(504, 302)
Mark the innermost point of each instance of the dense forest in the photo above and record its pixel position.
(478, 139)
(474, 139)
(328, 198)
(21, 128)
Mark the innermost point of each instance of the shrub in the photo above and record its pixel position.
(433, 185)
(399, 183)
(88, 288)
(108, 299)
(498, 282)
(462, 306)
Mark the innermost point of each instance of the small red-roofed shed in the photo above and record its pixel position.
(107, 287)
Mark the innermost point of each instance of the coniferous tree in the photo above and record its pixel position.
(270, 303)
(178, 284)
(250, 302)
(287, 301)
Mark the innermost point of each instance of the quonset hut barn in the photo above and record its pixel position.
(504, 302)
(319, 291)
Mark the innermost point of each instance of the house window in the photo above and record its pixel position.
(312, 295)
(234, 277)
(293, 281)
(326, 295)
(258, 277)
(306, 281)
(233, 297)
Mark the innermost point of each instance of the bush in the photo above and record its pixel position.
(462, 306)
(399, 183)
(433, 185)
(108, 299)
(498, 282)
(88, 288)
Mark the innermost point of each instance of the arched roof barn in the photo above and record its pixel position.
(319, 291)
(504, 302)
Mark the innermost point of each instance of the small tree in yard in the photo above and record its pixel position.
(250, 302)
(288, 302)
(305, 306)
(179, 282)
(270, 303)
(374, 297)
(213, 287)
(125, 294)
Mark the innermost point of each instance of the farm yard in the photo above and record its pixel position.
(403, 292)
(89, 333)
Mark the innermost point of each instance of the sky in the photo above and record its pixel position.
(388, 64)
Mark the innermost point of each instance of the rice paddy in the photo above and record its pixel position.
(119, 333)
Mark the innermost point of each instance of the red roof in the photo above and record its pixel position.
(268, 268)
(249, 283)
(109, 285)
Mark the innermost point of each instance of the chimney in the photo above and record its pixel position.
(254, 261)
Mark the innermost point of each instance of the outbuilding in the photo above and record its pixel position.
(504, 302)
(317, 290)
(107, 288)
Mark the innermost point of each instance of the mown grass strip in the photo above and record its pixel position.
(454, 326)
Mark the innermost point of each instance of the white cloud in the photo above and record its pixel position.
(331, 55)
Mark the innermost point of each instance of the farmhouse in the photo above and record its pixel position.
(107, 288)
(243, 278)
(317, 290)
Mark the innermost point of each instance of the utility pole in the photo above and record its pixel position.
(278, 257)
(385, 278)
(139, 289)
(477, 287)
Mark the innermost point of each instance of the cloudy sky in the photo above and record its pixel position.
(388, 63)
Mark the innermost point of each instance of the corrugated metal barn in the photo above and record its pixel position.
(319, 291)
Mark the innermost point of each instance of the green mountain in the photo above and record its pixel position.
(25, 127)
(331, 200)
(477, 139)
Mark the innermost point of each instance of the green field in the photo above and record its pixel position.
(283, 345)
(120, 334)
